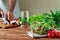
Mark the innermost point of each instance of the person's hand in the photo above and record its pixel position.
(9, 15)
(11, 6)
(2, 13)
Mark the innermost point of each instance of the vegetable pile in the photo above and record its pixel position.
(56, 18)
(40, 24)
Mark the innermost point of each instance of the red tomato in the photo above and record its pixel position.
(58, 34)
(16, 19)
(51, 33)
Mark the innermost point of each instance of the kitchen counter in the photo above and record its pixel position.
(18, 33)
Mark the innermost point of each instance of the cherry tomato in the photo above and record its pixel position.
(58, 34)
(51, 33)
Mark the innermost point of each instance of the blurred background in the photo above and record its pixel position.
(39, 6)
(33, 6)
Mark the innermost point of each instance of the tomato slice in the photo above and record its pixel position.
(16, 19)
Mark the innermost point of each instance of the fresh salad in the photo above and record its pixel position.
(40, 24)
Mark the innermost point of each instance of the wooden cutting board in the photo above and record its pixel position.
(7, 25)
(2, 25)
(1, 20)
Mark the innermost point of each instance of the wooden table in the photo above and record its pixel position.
(18, 33)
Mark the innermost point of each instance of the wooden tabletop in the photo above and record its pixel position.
(18, 33)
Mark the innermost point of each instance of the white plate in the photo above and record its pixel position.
(35, 35)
